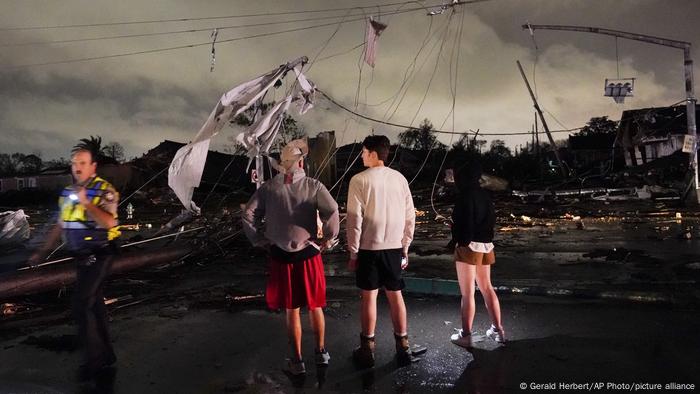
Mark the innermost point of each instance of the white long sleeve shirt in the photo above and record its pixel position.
(380, 211)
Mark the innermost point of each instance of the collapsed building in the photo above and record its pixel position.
(651, 133)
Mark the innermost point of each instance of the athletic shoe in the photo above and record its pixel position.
(295, 367)
(322, 357)
(460, 339)
(496, 335)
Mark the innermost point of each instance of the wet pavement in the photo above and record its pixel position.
(203, 336)
(621, 307)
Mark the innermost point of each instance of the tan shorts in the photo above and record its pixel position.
(465, 255)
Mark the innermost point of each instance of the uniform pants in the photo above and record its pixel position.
(90, 312)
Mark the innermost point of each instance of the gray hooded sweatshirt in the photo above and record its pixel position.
(289, 212)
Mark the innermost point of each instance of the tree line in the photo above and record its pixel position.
(12, 164)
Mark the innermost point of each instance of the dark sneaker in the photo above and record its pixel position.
(295, 367)
(322, 357)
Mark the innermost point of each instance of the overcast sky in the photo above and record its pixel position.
(144, 99)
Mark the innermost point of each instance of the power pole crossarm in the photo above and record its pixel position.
(616, 33)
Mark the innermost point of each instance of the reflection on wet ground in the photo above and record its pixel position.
(214, 350)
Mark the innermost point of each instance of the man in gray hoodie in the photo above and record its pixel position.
(282, 216)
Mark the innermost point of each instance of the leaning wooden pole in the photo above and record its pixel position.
(544, 122)
(51, 277)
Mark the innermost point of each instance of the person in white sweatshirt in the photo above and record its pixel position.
(380, 223)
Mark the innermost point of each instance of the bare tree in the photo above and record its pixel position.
(114, 150)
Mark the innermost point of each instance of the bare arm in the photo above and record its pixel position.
(328, 211)
(252, 219)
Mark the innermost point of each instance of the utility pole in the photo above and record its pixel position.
(688, 74)
(537, 136)
(544, 122)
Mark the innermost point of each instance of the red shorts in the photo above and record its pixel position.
(293, 285)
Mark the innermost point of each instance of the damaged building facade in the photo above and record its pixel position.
(652, 133)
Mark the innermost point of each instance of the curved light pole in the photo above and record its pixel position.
(688, 71)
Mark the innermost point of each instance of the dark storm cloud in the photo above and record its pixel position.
(46, 144)
(660, 18)
(131, 97)
(141, 100)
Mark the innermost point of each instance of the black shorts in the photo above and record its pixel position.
(379, 268)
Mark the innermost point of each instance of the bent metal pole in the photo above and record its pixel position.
(687, 72)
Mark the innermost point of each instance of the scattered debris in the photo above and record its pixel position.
(8, 309)
(493, 183)
(118, 299)
(14, 227)
(244, 298)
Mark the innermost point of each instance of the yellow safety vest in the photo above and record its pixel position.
(79, 229)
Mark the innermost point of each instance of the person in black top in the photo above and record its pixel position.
(473, 220)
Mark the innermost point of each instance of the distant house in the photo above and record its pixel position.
(221, 169)
(322, 160)
(48, 179)
(650, 133)
(588, 151)
(122, 176)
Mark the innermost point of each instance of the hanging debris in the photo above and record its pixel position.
(374, 30)
(214, 35)
(185, 172)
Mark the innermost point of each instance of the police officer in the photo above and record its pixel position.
(88, 225)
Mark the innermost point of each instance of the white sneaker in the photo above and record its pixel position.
(460, 339)
(295, 367)
(496, 335)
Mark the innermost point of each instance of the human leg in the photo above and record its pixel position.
(364, 354)
(318, 325)
(294, 332)
(90, 312)
(483, 280)
(465, 277)
(397, 306)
